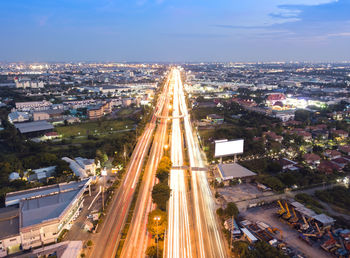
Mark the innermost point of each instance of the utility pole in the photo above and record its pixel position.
(157, 219)
(232, 227)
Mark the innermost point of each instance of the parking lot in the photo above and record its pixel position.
(268, 215)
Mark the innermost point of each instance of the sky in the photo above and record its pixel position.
(174, 30)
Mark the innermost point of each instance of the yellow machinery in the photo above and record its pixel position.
(282, 210)
(295, 217)
(287, 215)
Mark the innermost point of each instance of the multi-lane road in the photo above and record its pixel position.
(136, 242)
(179, 235)
(110, 233)
(207, 240)
(193, 229)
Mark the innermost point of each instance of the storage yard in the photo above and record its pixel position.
(293, 228)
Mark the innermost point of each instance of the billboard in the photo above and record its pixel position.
(227, 148)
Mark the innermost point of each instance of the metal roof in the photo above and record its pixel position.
(233, 170)
(9, 222)
(34, 126)
(37, 210)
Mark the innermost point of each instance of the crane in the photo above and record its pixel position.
(287, 215)
(282, 210)
(295, 217)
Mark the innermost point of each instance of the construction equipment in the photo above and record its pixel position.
(273, 230)
(287, 215)
(282, 210)
(305, 226)
(295, 217)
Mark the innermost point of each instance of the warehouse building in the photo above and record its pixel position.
(36, 217)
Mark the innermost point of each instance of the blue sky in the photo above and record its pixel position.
(175, 30)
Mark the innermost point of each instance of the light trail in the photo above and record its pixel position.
(109, 236)
(210, 240)
(178, 237)
(137, 239)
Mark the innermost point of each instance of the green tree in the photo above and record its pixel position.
(160, 195)
(162, 223)
(231, 209)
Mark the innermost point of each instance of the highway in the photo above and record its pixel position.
(179, 236)
(110, 233)
(137, 239)
(209, 240)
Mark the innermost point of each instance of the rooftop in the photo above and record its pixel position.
(36, 210)
(15, 197)
(34, 126)
(233, 170)
(9, 222)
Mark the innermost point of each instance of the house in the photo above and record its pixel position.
(340, 133)
(273, 136)
(345, 149)
(341, 162)
(305, 135)
(328, 167)
(312, 159)
(332, 154)
(287, 164)
(321, 134)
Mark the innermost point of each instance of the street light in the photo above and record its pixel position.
(157, 219)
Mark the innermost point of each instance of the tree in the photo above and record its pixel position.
(163, 169)
(160, 195)
(231, 209)
(162, 223)
(152, 251)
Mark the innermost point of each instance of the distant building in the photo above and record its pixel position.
(27, 83)
(332, 154)
(18, 117)
(345, 149)
(99, 111)
(273, 98)
(312, 158)
(34, 128)
(287, 164)
(33, 105)
(40, 115)
(328, 167)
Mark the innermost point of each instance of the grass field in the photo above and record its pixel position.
(93, 127)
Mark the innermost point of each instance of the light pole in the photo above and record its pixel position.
(157, 219)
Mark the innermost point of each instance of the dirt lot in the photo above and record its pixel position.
(241, 192)
(290, 236)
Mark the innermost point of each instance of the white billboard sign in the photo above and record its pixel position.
(227, 148)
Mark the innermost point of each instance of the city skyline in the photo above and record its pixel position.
(136, 31)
